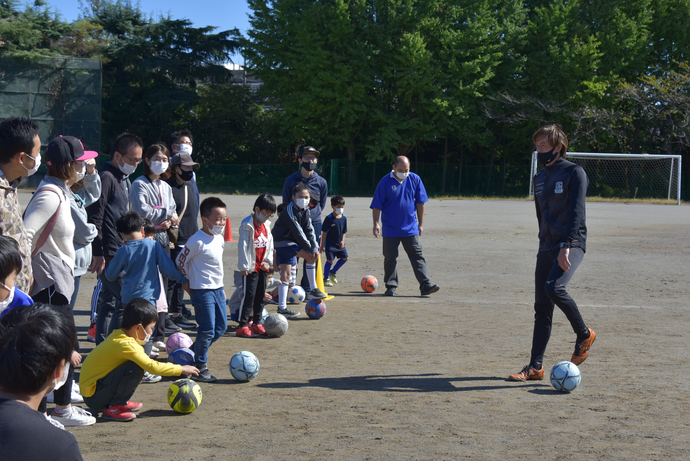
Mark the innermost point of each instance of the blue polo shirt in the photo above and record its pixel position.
(397, 203)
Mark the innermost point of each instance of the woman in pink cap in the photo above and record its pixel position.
(50, 227)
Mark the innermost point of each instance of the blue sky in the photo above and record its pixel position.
(224, 14)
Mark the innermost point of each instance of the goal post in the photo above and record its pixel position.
(626, 175)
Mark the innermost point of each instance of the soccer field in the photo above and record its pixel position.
(426, 378)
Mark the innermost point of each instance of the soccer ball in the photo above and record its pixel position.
(276, 325)
(244, 366)
(184, 396)
(565, 376)
(177, 341)
(369, 283)
(295, 295)
(315, 309)
(181, 356)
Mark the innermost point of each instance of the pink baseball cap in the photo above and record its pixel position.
(65, 149)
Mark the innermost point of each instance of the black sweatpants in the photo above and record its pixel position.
(550, 282)
(254, 285)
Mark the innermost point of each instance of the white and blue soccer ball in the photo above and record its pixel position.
(295, 295)
(565, 376)
(244, 366)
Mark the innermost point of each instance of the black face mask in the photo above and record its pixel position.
(186, 175)
(309, 166)
(547, 157)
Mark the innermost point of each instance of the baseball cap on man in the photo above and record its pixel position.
(183, 159)
(65, 149)
(308, 150)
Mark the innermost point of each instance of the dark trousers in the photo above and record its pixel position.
(116, 388)
(413, 247)
(63, 396)
(109, 310)
(254, 286)
(550, 282)
(175, 291)
(304, 283)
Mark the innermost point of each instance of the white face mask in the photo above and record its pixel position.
(214, 229)
(185, 149)
(80, 174)
(260, 217)
(159, 167)
(6, 303)
(63, 379)
(302, 203)
(127, 169)
(146, 339)
(402, 176)
(37, 164)
(339, 210)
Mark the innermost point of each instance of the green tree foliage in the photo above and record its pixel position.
(30, 34)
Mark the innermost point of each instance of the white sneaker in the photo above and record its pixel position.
(55, 423)
(77, 416)
(149, 378)
(160, 345)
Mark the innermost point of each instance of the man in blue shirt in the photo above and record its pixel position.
(308, 159)
(398, 196)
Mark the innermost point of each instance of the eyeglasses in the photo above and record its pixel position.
(269, 216)
(132, 161)
(308, 158)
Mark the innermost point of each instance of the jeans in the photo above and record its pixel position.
(77, 280)
(175, 291)
(413, 247)
(109, 308)
(212, 317)
(550, 282)
(115, 388)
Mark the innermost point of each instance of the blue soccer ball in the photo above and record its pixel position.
(296, 295)
(182, 356)
(244, 366)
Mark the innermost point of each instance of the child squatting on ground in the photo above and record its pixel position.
(255, 253)
(114, 369)
(202, 262)
(333, 240)
(293, 236)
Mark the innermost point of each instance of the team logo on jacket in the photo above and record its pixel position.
(394, 187)
(559, 188)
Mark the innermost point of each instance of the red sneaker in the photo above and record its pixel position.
(244, 332)
(118, 413)
(133, 406)
(91, 334)
(258, 330)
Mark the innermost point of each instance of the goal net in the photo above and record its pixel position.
(626, 175)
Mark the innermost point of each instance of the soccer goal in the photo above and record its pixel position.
(626, 175)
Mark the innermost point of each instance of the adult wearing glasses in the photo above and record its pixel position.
(126, 153)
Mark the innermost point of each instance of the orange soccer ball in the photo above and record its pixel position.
(369, 283)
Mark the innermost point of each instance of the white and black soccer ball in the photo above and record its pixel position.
(244, 366)
(276, 325)
(565, 376)
(295, 295)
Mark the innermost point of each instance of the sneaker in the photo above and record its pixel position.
(182, 322)
(527, 373)
(244, 332)
(390, 292)
(76, 397)
(332, 278)
(154, 348)
(327, 283)
(75, 416)
(170, 326)
(118, 413)
(288, 313)
(204, 376)
(154, 355)
(317, 294)
(149, 378)
(132, 406)
(160, 345)
(429, 289)
(258, 330)
(582, 348)
(55, 423)
(91, 334)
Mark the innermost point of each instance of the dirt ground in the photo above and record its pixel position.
(425, 378)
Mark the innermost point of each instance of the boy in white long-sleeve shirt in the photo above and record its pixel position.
(255, 253)
(201, 262)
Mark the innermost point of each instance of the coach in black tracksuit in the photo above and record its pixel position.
(559, 196)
